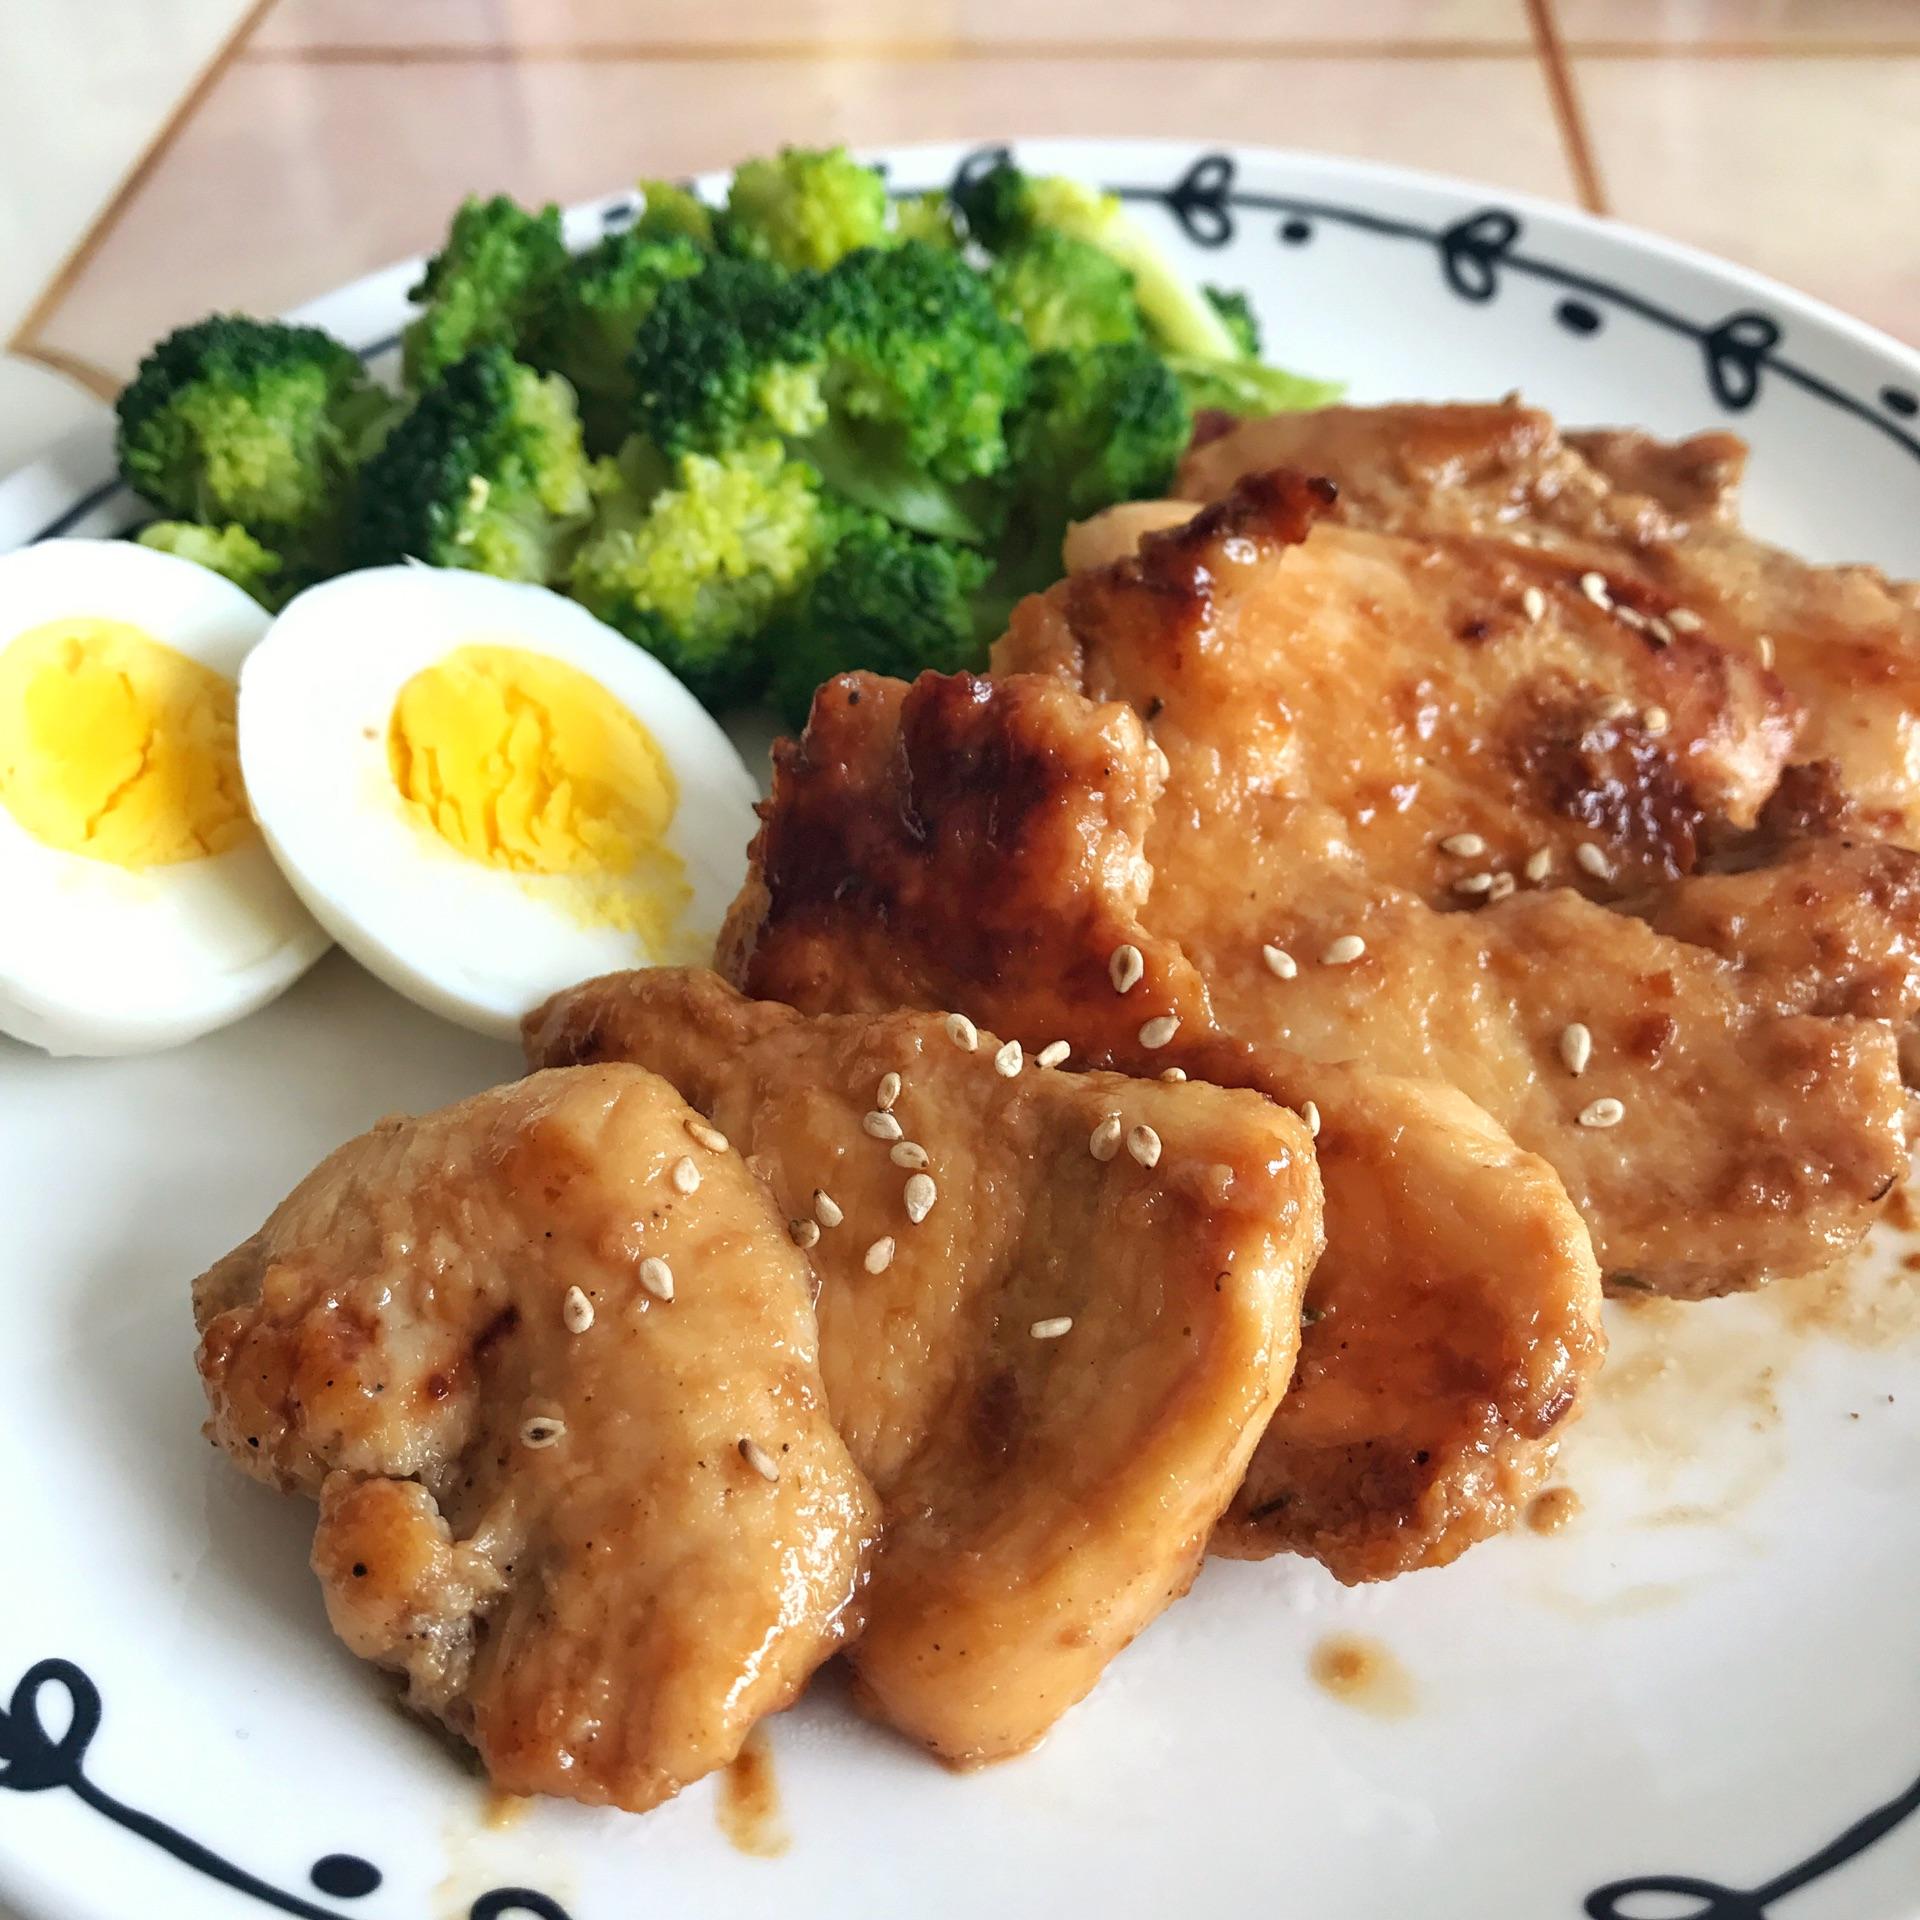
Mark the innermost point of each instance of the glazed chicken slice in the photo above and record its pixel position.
(548, 1360)
(977, 845)
(1399, 792)
(1056, 1313)
(1660, 524)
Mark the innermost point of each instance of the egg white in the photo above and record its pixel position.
(100, 959)
(478, 945)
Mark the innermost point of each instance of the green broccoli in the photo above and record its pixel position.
(668, 212)
(250, 422)
(1063, 293)
(886, 600)
(892, 374)
(497, 267)
(230, 551)
(806, 208)
(487, 472)
(1247, 388)
(929, 218)
(1237, 315)
(585, 329)
(1005, 207)
(695, 571)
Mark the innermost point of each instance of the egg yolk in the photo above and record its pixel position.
(118, 748)
(522, 762)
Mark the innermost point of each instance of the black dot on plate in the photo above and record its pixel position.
(1899, 400)
(1296, 232)
(345, 1876)
(1577, 317)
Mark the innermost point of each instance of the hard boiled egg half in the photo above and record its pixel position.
(483, 793)
(139, 905)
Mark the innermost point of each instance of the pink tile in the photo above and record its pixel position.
(294, 176)
(1740, 23)
(854, 24)
(1802, 168)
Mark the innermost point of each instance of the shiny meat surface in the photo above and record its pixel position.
(978, 845)
(1336, 708)
(1660, 523)
(1055, 1376)
(605, 1601)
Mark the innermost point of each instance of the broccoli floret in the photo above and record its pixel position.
(1248, 389)
(230, 551)
(930, 219)
(480, 289)
(806, 208)
(585, 330)
(892, 374)
(886, 600)
(487, 472)
(1005, 207)
(1063, 293)
(668, 212)
(1237, 315)
(695, 572)
(251, 422)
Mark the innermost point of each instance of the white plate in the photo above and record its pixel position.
(1711, 1678)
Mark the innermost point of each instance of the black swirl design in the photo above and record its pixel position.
(33, 1759)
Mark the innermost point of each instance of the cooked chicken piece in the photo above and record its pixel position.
(977, 845)
(1660, 524)
(1052, 1349)
(1335, 715)
(592, 1508)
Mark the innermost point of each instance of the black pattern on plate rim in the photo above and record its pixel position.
(1474, 251)
(33, 1759)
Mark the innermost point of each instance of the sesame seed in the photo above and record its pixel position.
(705, 1135)
(1052, 1329)
(907, 1153)
(1591, 860)
(879, 1256)
(889, 1091)
(1533, 603)
(804, 1233)
(1684, 620)
(1053, 1053)
(962, 1032)
(1280, 963)
(920, 1194)
(826, 1209)
(1344, 951)
(1763, 649)
(1144, 1144)
(1125, 967)
(1159, 1030)
(576, 1311)
(657, 1277)
(1603, 1113)
(1539, 864)
(1631, 617)
(1310, 1113)
(1576, 1047)
(1660, 630)
(1474, 883)
(543, 1430)
(1173, 1073)
(760, 1460)
(882, 1126)
(1464, 846)
(1504, 887)
(1009, 1060)
(684, 1175)
(1157, 760)
(1104, 1141)
(1656, 720)
(1594, 586)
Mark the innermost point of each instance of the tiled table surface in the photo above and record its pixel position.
(164, 157)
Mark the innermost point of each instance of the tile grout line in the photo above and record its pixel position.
(1558, 76)
(24, 340)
